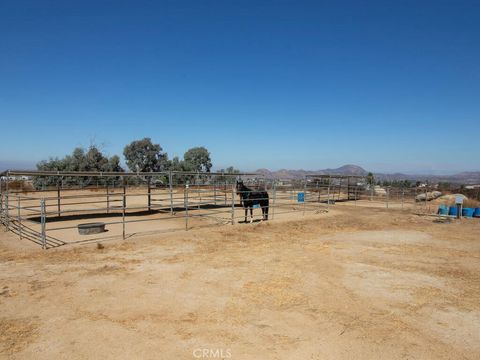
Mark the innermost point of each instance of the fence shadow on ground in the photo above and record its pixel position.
(116, 214)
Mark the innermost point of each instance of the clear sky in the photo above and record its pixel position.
(388, 85)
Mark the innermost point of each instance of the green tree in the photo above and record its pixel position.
(197, 159)
(370, 179)
(114, 164)
(80, 160)
(227, 179)
(176, 164)
(95, 160)
(142, 155)
(444, 185)
(232, 170)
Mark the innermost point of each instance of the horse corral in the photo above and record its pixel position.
(50, 212)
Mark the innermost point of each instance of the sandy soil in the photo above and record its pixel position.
(205, 208)
(354, 283)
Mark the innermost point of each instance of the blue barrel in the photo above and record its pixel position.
(443, 210)
(467, 212)
(301, 197)
(452, 210)
(476, 213)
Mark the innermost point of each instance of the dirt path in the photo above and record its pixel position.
(351, 284)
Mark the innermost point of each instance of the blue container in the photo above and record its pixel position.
(443, 210)
(452, 210)
(467, 212)
(476, 213)
(301, 197)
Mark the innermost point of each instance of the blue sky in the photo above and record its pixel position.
(388, 85)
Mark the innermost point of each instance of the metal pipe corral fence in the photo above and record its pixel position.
(175, 201)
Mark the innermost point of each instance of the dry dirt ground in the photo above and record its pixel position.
(355, 283)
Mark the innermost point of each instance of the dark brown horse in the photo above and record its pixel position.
(250, 198)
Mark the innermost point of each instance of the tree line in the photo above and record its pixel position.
(140, 156)
(371, 181)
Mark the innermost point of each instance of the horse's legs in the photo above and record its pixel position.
(246, 212)
(251, 215)
(264, 206)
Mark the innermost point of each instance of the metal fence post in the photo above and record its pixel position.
(426, 195)
(233, 204)
(328, 195)
(108, 199)
(124, 196)
(149, 194)
(19, 219)
(403, 196)
(185, 197)
(225, 192)
(170, 178)
(304, 197)
(215, 192)
(7, 226)
(1, 205)
(3, 214)
(58, 199)
(43, 225)
(199, 195)
(274, 198)
(7, 212)
(348, 188)
(415, 199)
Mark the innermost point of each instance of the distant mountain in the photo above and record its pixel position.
(347, 170)
(10, 165)
(470, 177)
(297, 174)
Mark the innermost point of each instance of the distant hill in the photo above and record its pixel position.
(470, 177)
(297, 174)
(9, 165)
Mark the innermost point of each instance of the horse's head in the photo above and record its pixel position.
(239, 185)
